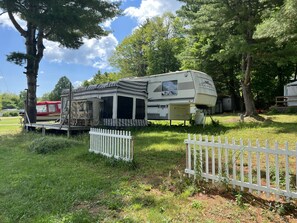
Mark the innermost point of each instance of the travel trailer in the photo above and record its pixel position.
(48, 110)
(133, 101)
(175, 95)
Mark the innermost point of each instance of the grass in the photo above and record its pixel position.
(10, 125)
(73, 185)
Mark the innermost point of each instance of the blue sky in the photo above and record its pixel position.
(77, 65)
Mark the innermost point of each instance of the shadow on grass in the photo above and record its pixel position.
(281, 207)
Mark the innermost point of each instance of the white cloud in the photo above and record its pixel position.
(94, 52)
(1, 77)
(77, 84)
(107, 23)
(151, 8)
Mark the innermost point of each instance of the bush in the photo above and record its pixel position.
(45, 145)
(10, 114)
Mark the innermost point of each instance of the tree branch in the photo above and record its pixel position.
(16, 24)
(1, 13)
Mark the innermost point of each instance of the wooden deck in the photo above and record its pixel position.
(56, 126)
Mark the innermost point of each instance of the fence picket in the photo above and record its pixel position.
(287, 168)
(220, 156)
(213, 171)
(195, 155)
(277, 169)
(267, 168)
(201, 156)
(241, 163)
(112, 143)
(234, 163)
(206, 158)
(250, 165)
(258, 165)
(226, 157)
(261, 155)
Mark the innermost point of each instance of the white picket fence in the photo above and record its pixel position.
(263, 169)
(112, 143)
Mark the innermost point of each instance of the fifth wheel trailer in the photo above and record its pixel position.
(172, 96)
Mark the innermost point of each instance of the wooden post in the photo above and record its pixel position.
(69, 112)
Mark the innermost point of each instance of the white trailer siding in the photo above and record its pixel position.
(205, 90)
(171, 95)
(290, 91)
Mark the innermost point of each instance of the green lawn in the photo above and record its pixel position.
(10, 125)
(73, 185)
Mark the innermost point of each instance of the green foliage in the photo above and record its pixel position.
(10, 114)
(63, 83)
(10, 101)
(220, 40)
(197, 205)
(66, 22)
(45, 97)
(151, 49)
(44, 145)
(17, 58)
(239, 199)
(102, 78)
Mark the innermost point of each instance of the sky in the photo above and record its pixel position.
(77, 65)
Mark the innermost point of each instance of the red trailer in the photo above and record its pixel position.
(48, 110)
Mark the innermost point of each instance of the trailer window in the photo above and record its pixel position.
(41, 108)
(125, 107)
(107, 107)
(140, 109)
(52, 108)
(169, 87)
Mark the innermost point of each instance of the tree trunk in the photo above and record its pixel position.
(250, 109)
(34, 51)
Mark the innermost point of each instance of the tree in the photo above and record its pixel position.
(23, 98)
(282, 27)
(63, 83)
(44, 97)
(150, 49)
(63, 21)
(10, 101)
(232, 23)
(129, 56)
(102, 78)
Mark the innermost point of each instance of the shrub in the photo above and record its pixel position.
(10, 114)
(45, 145)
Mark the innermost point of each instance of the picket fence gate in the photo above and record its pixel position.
(263, 169)
(112, 143)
